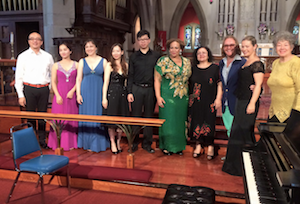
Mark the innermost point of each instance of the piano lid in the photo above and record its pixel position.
(292, 131)
(272, 127)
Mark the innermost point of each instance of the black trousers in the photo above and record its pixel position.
(37, 100)
(143, 106)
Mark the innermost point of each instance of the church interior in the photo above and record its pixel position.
(107, 178)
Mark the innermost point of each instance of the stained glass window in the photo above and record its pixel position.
(192, 36)
(296, 32)
(188, 37)
(197, 37)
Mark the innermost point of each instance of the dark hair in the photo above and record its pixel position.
(143, 32)
(180, 42)
(237, 46)
(90, 40)
(36, 33)
(195, 60)
(113, 61)
(66, 44)
(251, 39)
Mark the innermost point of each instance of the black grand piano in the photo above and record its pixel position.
(272, 167)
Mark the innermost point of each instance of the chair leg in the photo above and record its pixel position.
(37, 184)
(42, 189)
(52, 177)
(68, 179)
(13, 187)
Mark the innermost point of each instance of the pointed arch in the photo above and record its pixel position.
(179, 11)
(293, 16)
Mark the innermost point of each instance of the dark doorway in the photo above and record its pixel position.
(23, 29)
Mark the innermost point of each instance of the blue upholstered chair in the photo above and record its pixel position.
(24, 142)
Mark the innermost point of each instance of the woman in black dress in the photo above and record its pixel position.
(205, 99)
(114, 98)
(242, 131)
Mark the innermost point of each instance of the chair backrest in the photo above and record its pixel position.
(24, 142)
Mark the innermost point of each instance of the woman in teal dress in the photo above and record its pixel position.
(171, 90)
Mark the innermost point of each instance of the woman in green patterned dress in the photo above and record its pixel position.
(171, 89)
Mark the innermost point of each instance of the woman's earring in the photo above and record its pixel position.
(180, 53)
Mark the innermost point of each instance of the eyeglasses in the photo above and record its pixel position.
(36, 39)
(231, 45)
(143, 39)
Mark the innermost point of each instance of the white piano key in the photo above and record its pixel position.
(251, 184)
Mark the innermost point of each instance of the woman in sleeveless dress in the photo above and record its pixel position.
(114, 93)
(64, 101)
(91, 136)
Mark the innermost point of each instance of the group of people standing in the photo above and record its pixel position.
(93, 86)
(247, 86)
(188, 94)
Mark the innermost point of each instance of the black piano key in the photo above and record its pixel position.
(268, 201)
(268, 188)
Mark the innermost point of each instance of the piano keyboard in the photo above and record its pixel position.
(261, 181)
(251, 185)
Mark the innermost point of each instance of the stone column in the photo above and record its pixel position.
(58, 15)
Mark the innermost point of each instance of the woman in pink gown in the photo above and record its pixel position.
(63, 81)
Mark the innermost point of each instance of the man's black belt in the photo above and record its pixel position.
(144, 85)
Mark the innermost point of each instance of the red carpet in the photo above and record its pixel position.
(26, 193)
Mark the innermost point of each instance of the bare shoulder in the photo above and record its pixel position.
(76, 64)
(55, 66)
(104, 60)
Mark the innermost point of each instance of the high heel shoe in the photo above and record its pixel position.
(166, 152)
(210, 157)
(117, 152)
(120, 150)
(210, 154)
(196, 155)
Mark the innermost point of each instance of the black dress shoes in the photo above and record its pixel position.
(44, 146)
(149, 150)
(179, 153)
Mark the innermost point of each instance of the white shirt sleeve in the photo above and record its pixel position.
(19, 76)
(50, 69)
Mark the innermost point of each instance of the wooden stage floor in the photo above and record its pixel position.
(173, 169)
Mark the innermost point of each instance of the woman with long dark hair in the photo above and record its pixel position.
(63, 79)
(114, 99)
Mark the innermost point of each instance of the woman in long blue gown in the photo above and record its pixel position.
(89, 82)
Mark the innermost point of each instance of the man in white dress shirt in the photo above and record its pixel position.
(33, 76)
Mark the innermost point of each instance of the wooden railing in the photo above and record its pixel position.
(84, 118)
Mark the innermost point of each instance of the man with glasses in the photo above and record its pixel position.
(229, 67)
(140, 86)
(33, 75)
